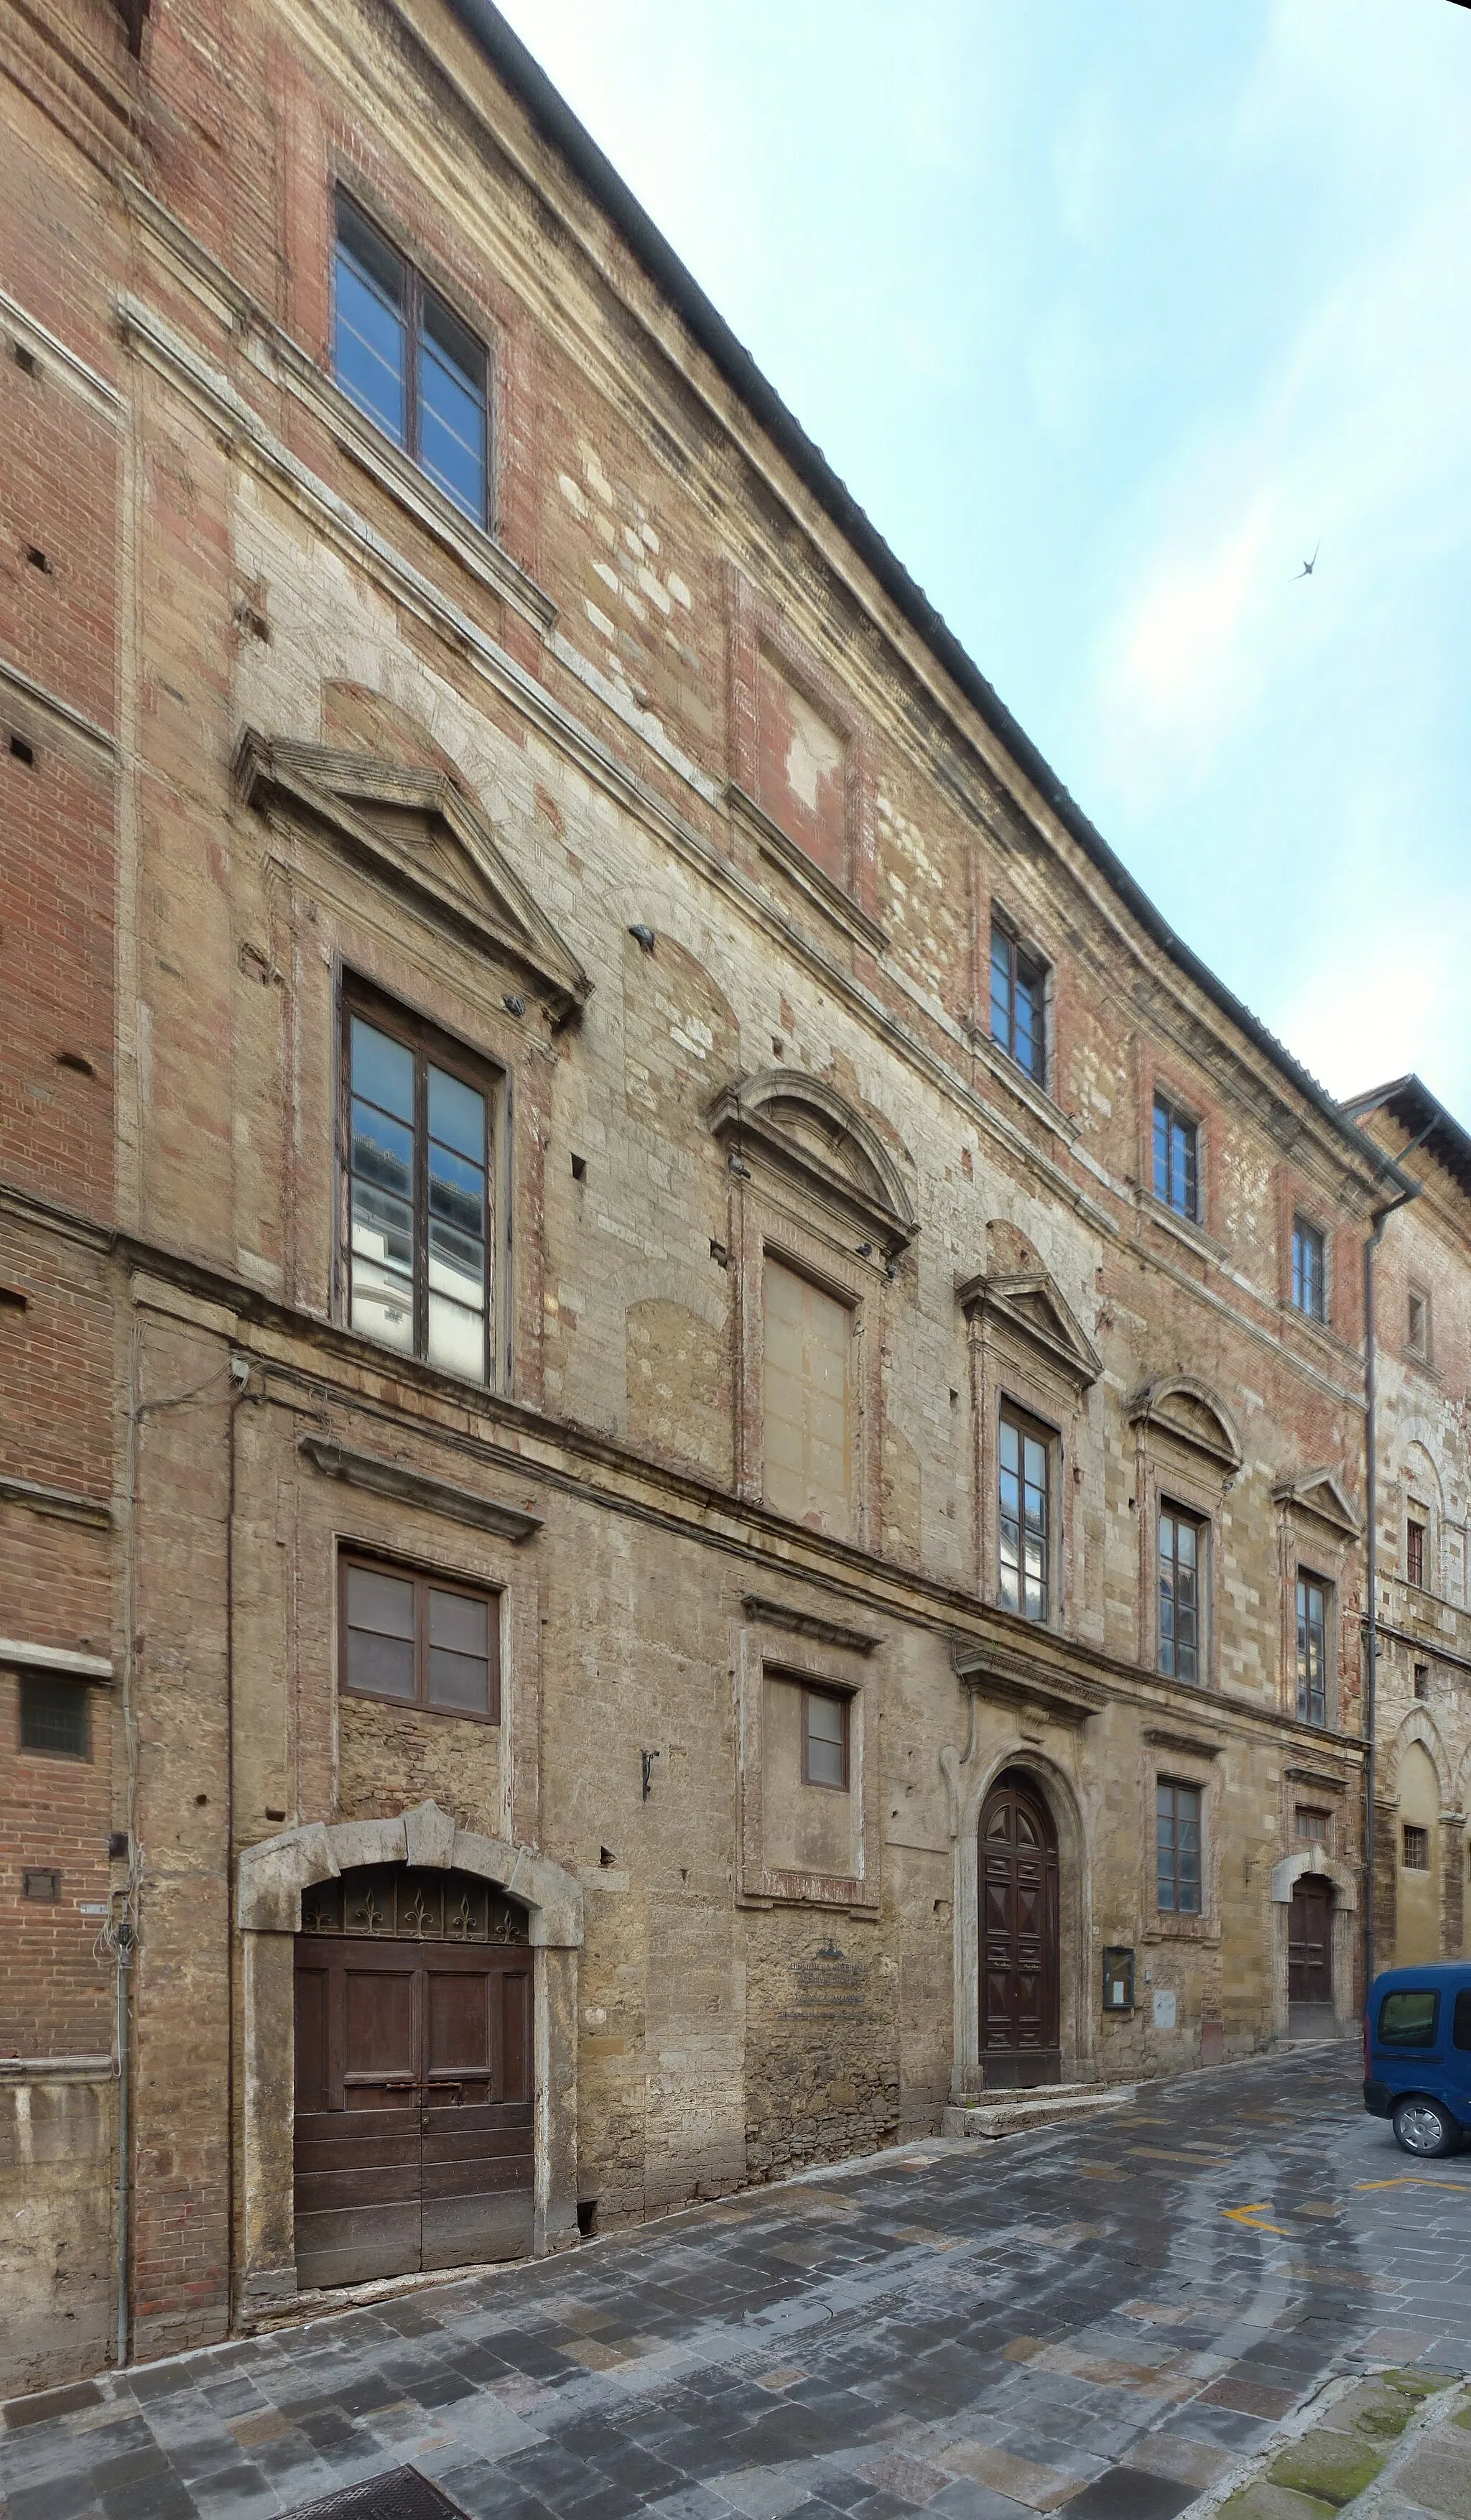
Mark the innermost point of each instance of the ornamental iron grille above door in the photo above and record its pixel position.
(400, 1903)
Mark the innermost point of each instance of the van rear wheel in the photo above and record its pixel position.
(1424, 2127)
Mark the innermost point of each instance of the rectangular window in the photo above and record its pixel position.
(409, 363)
(1312, 1650)
(805, 1399)
(1416, 1857)
(1414, 1552)
(825, 1738)
(1177, 1841)
(1312, 1826)
(42, 1883)
(1422, 1681)
(418, 1143)
(1307, 1273)
(1018, 1008)
(1177, 1169)
(419, 1640)
(56, 1716)
(1025, 1516)
(1418, 1323)
(1181, 1547)
(1407, 2018)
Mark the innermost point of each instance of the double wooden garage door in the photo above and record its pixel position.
(413, 2130)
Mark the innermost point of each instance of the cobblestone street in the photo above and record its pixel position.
(1107, 2317)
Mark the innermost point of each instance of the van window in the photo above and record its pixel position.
(1407, 2018)
(1461, 2027)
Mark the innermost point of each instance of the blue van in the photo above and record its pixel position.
(1417, 2054)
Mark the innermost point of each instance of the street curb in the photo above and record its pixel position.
(1305, 2418)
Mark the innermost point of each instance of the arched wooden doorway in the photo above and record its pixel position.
(1019, 1942)
(414, 2137)
(1310, 1959)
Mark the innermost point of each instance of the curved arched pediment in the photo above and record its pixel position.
(1189, 1410)
(1418, 1725)
(274, 1874)
(1314, 1859)
(806, 1130)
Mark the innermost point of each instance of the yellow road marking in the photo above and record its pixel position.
(1461, 2186)
(1242, 2214)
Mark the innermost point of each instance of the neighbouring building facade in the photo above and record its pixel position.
(1422, 1788)
(681, 1409)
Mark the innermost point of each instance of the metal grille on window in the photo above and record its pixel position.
(1416, 1849)
(1024, 1517)
(1178, 1595)
(404, 1902)
(1176, 1832)
(55, 1716)
(1311, 1651)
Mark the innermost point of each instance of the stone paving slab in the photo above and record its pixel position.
(1101, 2319)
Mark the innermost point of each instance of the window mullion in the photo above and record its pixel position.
(420, 1204)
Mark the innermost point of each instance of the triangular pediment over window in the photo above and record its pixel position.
(1030, 1304)
(1321, 1493)
(804, 1130)
(1189, 1410)
(418, 832)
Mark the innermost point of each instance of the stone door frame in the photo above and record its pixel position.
(1074, 1918)
(271, 1877)
(1284, 1879)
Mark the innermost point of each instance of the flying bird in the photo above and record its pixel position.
(1308, 565)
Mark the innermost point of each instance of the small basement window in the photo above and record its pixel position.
(1416, 1848)
(55, 1716)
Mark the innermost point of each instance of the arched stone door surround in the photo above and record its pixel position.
(1284, 1879)
(967, 1800)
(271, 1878)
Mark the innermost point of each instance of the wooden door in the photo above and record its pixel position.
(1018, 1852)
(1310, 1944)
(414, 2143)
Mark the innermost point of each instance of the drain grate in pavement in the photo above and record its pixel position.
(402, 2494)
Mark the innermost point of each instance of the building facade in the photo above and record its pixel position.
(682, 1448)
(1422, 1833)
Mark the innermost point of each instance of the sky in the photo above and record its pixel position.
(1111, 316)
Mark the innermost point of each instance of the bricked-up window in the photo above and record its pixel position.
(1018, 994)
(410, 364)
(1414, 1552)
(825, 1738)
(1176, 1845)
(1416, 1848)
(1181, 1547)
(419, 1132)
(1312, 1650)
(1309, 1280)
(1176, 1159)
(56, 1716)
(806, 1404)
(419, 1641)
(1314, 1827)
(1024, 1472)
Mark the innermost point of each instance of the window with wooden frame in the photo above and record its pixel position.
(825, 1738)
(1414, 1552)
(1018, 1004)
(1416, 1848)
(406, 359)
(807, 1402)
(1314, 1827)
(1313, 1599)
(56, 1716)
(1176, 1159)
(1177, 1848)
(1309, 1270)
(418, 1639)
(418, 1128)
(1024, 1470)
(1182, 1539)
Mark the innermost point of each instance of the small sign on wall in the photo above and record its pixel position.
(1164, 2007)
(1118, 1978)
